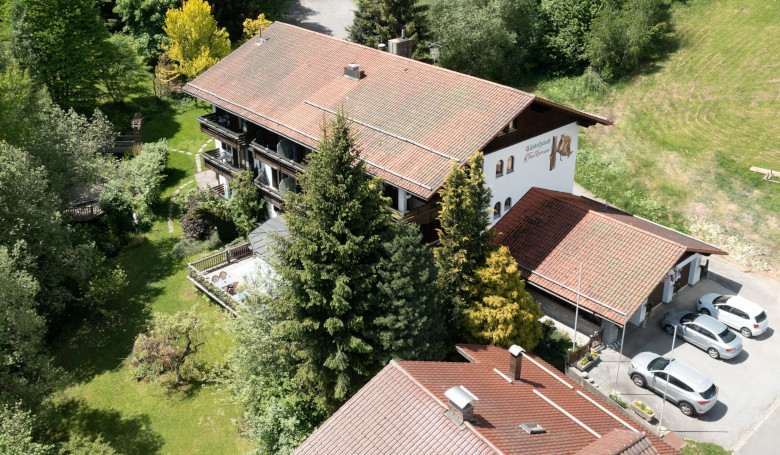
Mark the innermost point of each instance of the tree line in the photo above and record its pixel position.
(515, 41)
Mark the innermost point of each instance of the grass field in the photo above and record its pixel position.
(138, 417)
(688, 128)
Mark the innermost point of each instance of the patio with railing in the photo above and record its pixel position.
(221, 276)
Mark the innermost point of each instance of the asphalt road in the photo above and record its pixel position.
(330, 17)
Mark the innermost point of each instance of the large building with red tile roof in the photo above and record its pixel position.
(627, 261)
(412, 120)
(501, 402)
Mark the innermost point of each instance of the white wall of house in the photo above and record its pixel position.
(532, 166)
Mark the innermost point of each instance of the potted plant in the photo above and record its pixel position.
(587, 361)
(642, 410)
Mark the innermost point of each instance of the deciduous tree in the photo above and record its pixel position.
(171, 339)
(328, 264)
(196, 42)
(143, 20)
(253, 27)
(464, 234)
(501, 312)
(63, 44)
(246, 206)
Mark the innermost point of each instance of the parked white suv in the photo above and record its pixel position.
(735, 311)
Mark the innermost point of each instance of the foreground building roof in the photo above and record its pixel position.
(550, 233)
(402, 411)
(412, 119)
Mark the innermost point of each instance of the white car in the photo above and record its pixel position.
(735, 311)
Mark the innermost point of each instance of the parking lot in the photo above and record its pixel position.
(748, 384)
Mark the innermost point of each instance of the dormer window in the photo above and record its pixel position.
(510, 164)
(500, 168)
(511, 126)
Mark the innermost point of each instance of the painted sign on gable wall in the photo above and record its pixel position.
(545, 161)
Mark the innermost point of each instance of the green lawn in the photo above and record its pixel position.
(138, 417)
(690, 126)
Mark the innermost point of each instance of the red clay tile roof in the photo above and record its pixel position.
(401, 410)
(620, 442)
(392, 414)
(503, 406)
(411, 118)
(624, 257)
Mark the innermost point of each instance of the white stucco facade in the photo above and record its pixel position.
(545, 161)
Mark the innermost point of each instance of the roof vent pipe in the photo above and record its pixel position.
(459, 407)
(382, 47)
(515, 361)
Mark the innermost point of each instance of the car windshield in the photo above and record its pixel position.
(727, 336)
(688, 317)
(659, 363)
(723, 299)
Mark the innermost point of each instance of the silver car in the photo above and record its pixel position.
(704, 332)
(690, 390)
(735, 311)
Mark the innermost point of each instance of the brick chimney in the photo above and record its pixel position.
(515, 361)
(459, 407)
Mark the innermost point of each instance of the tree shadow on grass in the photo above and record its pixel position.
(105, 339)
(127, 435)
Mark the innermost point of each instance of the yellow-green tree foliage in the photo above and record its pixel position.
(196, 42)
(254, 27)
(501, 312)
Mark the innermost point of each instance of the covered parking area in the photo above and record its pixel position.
(602, 260)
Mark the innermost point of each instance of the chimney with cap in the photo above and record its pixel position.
(515, 361)
(459, 407)
(353, 71)
(401, 46)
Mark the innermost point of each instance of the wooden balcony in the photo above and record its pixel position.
(269, 193)
(214, 126)
(286, 164)
(212, 161)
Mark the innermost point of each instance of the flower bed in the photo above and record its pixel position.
(588, 361)
(642, 410)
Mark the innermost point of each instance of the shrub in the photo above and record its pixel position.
(117, 204)
(187, 247)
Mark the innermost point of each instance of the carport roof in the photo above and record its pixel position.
(550, 233)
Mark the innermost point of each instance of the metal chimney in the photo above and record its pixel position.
(515, 361)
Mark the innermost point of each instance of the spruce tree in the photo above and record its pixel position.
(327, 267)
(410, 324)
(377, 21)
(463, 236)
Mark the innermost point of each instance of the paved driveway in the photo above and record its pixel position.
(330, 17)
(748, 383)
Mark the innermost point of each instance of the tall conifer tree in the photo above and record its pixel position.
(463, 235)
(328, 267)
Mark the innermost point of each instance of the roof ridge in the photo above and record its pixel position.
(468, 425)
(416, 62)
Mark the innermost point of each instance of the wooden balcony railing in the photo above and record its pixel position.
(269, 193)
(83, 213)
(286, 164)
(215, 126)
(212, 161)
(222, 258)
